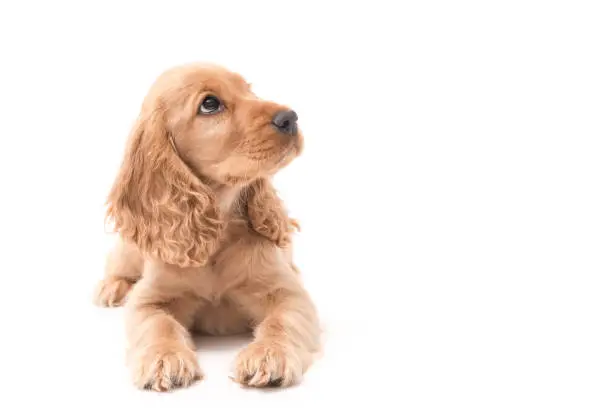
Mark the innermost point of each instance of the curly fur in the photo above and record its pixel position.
(267, 214)
(205, 242)
(159, 204)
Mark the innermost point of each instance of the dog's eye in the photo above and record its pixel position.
(210, 104)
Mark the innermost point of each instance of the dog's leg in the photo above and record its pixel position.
(159, 314)
(123, 268)
(285, 339)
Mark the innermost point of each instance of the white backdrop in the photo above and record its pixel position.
(454, 193)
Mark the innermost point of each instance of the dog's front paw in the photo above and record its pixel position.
(112, 291)
(263, 364)
(164, 368)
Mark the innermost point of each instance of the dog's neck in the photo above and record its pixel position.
(228, 197)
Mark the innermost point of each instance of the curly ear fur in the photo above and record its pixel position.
(158, 203)
(267, 214)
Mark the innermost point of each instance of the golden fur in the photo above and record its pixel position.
(205, 242)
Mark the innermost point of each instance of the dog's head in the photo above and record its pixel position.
(219, 127)
(200, 126)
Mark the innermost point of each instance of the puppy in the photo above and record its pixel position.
(205, 242)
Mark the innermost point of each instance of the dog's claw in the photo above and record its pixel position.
(276, 382)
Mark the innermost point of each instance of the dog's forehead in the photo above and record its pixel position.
(186, 80)
(215, 78)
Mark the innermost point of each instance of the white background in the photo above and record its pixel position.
(455, 194)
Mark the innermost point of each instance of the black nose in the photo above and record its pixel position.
(286, 121)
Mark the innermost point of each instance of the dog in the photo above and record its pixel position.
(204, 242)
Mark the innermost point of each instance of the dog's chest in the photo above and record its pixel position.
(239, 250)
(228, 267)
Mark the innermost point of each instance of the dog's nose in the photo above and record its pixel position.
(285, 121)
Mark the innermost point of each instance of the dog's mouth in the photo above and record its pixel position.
(282, 146)
(282, 158)
(290, 153)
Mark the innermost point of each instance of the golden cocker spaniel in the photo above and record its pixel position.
(205, 242)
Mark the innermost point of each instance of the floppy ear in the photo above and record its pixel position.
(158, 203)
(267, 214)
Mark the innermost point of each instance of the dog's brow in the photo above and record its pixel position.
(227, 90)
(213, 87)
